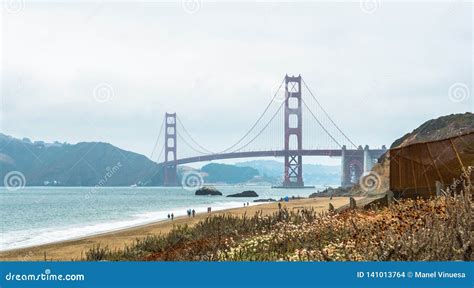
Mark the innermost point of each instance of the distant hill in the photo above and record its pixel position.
(82, 164)
(312, 173)
(230, 174)
(99, 164)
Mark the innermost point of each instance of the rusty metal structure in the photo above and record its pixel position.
(417, 169)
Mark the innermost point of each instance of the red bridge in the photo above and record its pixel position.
(355, 161)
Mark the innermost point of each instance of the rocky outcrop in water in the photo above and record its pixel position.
(211, 191)
(248, 193)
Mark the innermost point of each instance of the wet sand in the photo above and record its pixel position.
(75, 249)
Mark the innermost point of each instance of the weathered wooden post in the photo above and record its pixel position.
(352, 203)
(331, 208)
(438, 188)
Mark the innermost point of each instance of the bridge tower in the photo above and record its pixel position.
(293, 132)
(169, 170)
(356, 163)
(352, 164)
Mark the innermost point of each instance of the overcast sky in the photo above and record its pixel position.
(380, 68)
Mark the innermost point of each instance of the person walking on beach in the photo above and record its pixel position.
(194, 212)
(189, 212)
(169, 216)
(279, 206)
(172, 216)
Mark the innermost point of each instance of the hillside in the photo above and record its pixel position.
(313, 174)
(436, 129)
(98, 164)
(231, 174)
(82, 164)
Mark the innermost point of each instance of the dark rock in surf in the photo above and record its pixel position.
(207, 191)
(247, 193)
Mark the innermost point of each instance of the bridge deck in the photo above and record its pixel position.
(277, 153)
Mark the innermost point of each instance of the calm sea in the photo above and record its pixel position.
(39, 215)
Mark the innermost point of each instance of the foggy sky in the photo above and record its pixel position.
(379, 71)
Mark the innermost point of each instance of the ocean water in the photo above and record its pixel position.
(40, 215)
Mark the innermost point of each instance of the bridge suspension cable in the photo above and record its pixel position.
(157, 140)
(206, 151)
(181, 138)
(260, 132)
(161, 153)
(320, 124)
(256, 122)
(327, 115)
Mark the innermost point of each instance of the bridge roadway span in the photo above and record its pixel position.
(276, 153)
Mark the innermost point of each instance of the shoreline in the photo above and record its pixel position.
(74, 249)
(178, 215)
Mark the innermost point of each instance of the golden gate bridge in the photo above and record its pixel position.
(284, 113)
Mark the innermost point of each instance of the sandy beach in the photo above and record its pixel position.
(75, 249)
